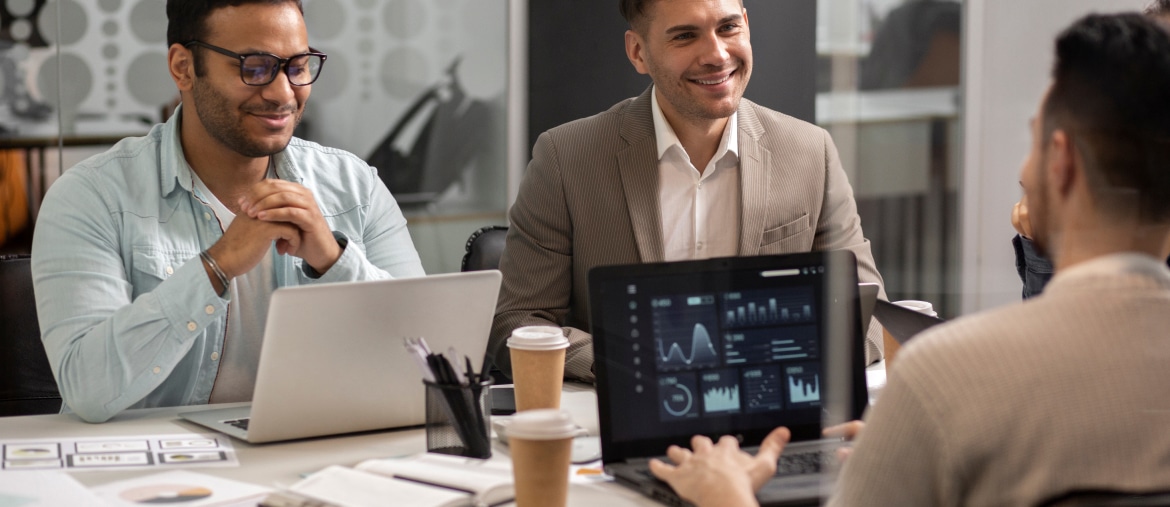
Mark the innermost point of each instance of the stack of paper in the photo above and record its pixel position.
(427, 480)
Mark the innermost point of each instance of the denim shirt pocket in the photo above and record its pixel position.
(350, 223)
(151, 265)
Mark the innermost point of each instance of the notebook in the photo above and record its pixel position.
(732, 346)
(333, 359)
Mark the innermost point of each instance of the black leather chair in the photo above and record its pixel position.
(484, 248)
(27, 385)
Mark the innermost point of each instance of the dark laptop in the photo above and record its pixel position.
(728, 346)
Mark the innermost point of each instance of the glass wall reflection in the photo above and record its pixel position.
(888, 91)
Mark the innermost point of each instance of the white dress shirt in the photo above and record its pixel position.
(700, 212)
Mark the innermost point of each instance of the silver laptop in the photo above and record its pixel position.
(333, 360)
(728, 346)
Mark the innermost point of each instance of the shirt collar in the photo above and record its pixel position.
(667, 139)
(174, 171)
(1110, 267)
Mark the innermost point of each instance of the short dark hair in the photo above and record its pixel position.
(1158, 8)
(633, 10)
(1111, 93)
(187, 19)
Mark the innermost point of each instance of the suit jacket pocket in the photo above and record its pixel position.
(786, 238)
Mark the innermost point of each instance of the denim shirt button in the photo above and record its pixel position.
(156, 370)
(170, 270)
(191, 326)
(207, 216)
(215, 356)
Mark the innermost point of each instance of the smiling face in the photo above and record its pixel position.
(253, 121)
(699, 54)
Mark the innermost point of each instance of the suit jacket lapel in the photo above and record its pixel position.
(754, 175)
(638, 164)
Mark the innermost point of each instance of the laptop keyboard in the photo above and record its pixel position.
(809, 462)
(239, 423)
(804, 462)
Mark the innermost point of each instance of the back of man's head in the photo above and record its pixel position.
(1111, 94)
(1159, 9)
(187, 19)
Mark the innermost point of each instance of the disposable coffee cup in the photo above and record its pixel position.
(541, 443)
(923, 307)
(538, 366)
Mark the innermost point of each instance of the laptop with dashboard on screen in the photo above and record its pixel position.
(333, 360)
(729, 346)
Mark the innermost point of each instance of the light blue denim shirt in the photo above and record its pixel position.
(128, 315)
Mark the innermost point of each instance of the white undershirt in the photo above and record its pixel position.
(247, 312)
(700, 212)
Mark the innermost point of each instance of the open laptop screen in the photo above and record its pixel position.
(720, 346)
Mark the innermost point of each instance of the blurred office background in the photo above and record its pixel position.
(927, 100)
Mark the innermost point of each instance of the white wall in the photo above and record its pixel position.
(1008, 56)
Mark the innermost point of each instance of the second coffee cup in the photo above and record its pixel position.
(538, 366)
(541, 443)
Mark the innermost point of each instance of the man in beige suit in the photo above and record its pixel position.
(1064, 395)
(687, 170)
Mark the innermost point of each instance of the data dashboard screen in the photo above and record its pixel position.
(708, 354)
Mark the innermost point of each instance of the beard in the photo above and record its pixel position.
(215, 112)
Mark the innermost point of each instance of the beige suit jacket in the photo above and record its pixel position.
(590, 197)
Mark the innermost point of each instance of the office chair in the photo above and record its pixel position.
(27, 385)
(484, 248)
(1108, 498)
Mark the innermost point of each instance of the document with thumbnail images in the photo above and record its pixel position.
(426, 480)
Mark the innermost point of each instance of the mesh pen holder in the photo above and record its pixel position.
(458, 421)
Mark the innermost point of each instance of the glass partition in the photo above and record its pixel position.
(888, 92)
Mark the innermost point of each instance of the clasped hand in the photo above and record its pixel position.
(280, 211)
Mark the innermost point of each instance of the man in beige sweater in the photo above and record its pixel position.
(1066, 392)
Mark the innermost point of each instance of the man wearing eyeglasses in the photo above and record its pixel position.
(153, 263)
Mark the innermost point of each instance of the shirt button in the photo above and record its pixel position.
(191, 326)
(210, 309)
(215, 356)
(170, 270)
(207, 216)
(156, 370)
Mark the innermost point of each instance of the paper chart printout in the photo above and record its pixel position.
(130, 452)
(180, 487)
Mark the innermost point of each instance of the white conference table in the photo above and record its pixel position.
(280, 465)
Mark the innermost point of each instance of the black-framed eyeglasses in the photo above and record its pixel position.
(259, 69)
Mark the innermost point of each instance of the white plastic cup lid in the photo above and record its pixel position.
(919, 306)
(542, 424)
(538, 338)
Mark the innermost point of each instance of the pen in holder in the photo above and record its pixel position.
(458, 419)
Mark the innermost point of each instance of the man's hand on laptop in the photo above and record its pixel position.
(720, 474)
(847, 431)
